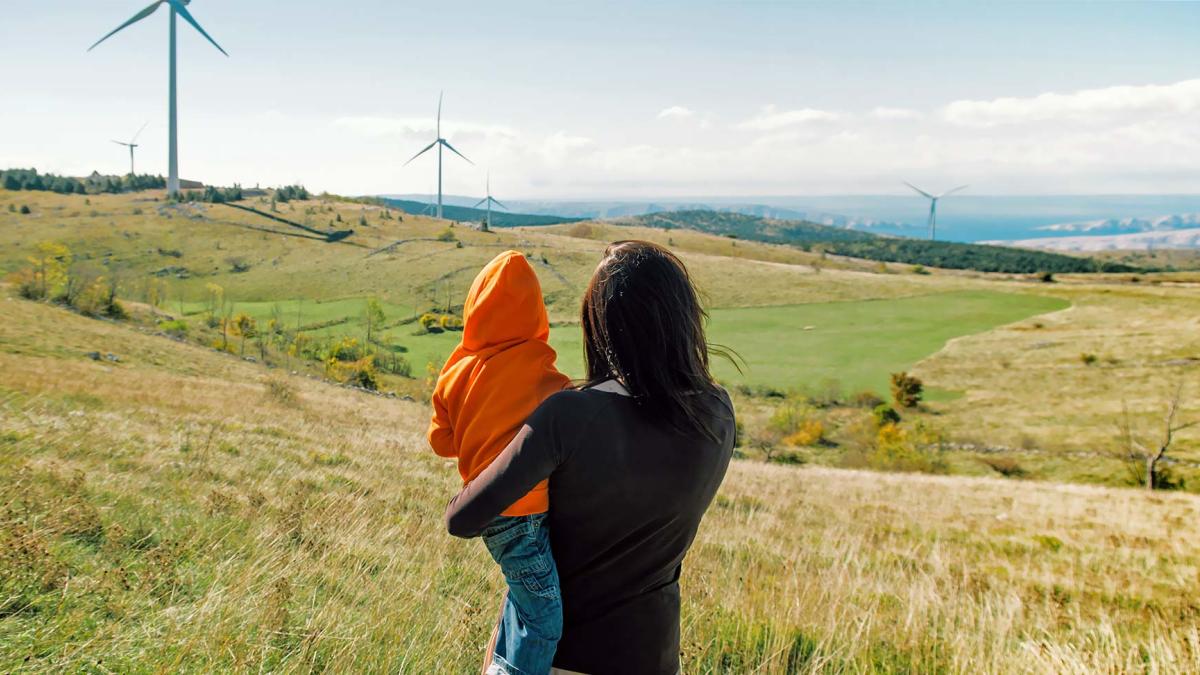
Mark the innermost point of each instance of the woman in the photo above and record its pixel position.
(634, 458)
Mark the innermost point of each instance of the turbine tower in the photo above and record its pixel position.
(131, 145)
(933, 200)
(489, 200)
(439, 142)
(178, 8)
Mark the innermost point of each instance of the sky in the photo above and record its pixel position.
(619, 100)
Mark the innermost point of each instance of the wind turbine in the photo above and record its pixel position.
(933, 200)
(131, 145)
(489, 200)
(178, 7)
(439, 142)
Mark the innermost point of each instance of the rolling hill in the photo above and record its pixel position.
(856, 244)
(465, 214)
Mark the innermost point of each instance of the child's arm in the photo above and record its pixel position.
(441, 434)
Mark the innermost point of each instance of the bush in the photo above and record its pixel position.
(1005, 466)
(811, 432)
(1088, 359)
(898, 449)
(866, 399)
(175, 327)
(25, 210)
(581, 231)
(906, 390)
(884, 414)
(919, 269)
(448, 322)
(447, 235)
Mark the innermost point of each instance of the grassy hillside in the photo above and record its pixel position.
(182, 510)
(190, 269)
(851, 243)
(466, 214)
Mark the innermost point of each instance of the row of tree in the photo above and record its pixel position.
(30, 179)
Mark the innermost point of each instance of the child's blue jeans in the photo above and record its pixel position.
(531, 623)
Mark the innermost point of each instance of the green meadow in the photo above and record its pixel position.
(856, 344)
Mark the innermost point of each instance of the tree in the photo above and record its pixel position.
(907, 390)
(245, 326)
(50, 264)
(373, 317)
(1147, 458)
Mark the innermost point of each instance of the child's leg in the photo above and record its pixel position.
(531, 623)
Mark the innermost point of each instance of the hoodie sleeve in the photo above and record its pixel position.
(441, 433)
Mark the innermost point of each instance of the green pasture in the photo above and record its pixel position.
(857, 344)
(794, 347)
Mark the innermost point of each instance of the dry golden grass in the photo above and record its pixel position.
(1028, 384)
(181, 510)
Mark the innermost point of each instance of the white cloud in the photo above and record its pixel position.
(885, 113)
(1087, 105)
(772, 118)
(675, 111)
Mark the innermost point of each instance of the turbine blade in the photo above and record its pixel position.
(425, 150)
(439, 116)
(139, 133)
(451, 147)
(136, 18)
(182, 10)
(479, 202)
(497, 202)
(950, 192)
(918, 189)
(120, 143)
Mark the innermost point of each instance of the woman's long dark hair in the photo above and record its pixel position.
(643, 324)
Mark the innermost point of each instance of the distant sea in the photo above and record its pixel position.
(961, 217)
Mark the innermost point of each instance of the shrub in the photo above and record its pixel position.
(866, 399)
(279, 389)
(789, 417)
(906, 390)
(919, 269)
(884, 414)
(448, 322)
(1046, 277)
(1087, 358)
(581, 231)
(345, 350)
(394, 364)
(447, 235)
(1008, 467)
(25, 210)
(898, 449)
(811, 432)
(175, 327)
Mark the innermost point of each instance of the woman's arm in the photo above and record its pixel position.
(531, 456)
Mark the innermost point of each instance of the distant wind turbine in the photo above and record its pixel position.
(439, 142)
(178, 7)
(933, 200)
(489, 200)
(131, 145)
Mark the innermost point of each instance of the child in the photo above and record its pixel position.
(498, 374)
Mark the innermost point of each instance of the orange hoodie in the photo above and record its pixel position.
(498, 374)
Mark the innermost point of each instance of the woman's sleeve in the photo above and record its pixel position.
(531, 456)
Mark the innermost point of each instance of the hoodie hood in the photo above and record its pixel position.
(504, 305)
